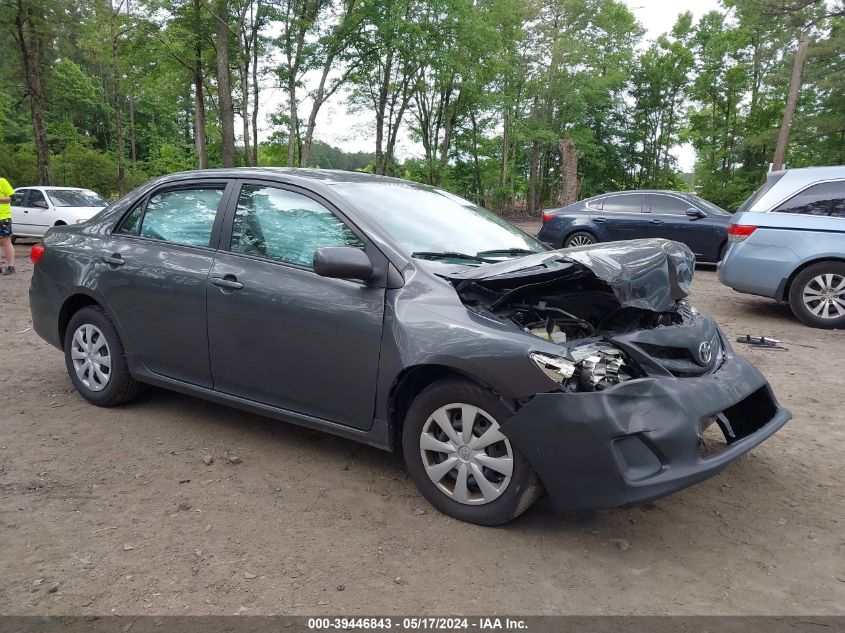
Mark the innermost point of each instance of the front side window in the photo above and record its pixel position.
(824, 199)
(286, 226)
(132, 222)
(36, 198)
(631, 203)
(666, 205)
(18, 198)
(184, 216)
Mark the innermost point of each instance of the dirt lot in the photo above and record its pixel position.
(113, 510)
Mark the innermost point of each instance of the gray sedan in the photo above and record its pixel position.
(402, 316)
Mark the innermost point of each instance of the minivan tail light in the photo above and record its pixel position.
(547, 215)
(36, 253)
(739, 232)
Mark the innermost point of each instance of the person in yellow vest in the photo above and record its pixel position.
(6, 247)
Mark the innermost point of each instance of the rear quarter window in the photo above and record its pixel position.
(826, 199)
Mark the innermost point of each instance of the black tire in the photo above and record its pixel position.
(807, 281)
(722, 250)
(518, 494)
(580, 238)
(119, 387)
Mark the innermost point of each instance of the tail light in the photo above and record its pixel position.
(547, 215)
(740, 232)
(36, 253)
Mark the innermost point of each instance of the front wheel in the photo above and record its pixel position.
(817, 295)
(96, 361)
(459, 459)
(581, 238)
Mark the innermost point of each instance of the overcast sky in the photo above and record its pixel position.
(353, 132)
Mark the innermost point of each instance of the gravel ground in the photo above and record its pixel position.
(115, 510)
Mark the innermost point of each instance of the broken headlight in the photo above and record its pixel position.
(592, 367)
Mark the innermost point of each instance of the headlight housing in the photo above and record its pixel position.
(591, 367)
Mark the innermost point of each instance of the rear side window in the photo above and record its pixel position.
(18, 198)
(184, 216)
(824, 199)
(286, 226)
(595, 204)
(627, 202)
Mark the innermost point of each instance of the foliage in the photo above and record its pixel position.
(486, 88)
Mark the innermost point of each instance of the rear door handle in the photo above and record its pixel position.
(655, 221)
(599, 220)
(230, 282)
(114, 260)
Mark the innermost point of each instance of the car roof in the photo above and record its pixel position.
(290, 174)
(640, 191)
(52, 188)
(791, 181)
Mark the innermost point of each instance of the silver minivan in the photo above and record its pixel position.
(787, 242)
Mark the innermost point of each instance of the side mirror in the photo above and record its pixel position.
(40, 204)
(342, 262)
(696, 213)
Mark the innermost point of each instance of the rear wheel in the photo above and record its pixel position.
(581, 238)
(817, 295)
(95, 359)
(459, 459)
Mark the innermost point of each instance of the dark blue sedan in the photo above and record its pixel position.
(628, 215)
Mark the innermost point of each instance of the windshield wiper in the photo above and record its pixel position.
(508, 251)
(451, 255)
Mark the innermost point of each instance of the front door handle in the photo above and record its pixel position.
(599, 220)
(657, 221)
(114, 260)
(230, 282)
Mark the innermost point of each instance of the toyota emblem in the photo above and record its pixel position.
(705, 353)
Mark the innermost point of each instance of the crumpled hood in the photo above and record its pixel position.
(651, 274)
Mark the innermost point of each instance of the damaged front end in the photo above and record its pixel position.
(616, 311)
(641, 373)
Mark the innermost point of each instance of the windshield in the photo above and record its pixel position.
(710, 206)
(75, 198)
(434, 224)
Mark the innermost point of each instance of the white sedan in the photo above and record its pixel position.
(36, 209)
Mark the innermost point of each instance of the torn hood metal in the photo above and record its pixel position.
(651, 274)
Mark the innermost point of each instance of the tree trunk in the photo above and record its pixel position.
(118, 113)
(199, 97)
(245, 109)
(531, 207)
(255, 28)
(791, 103)
(569, 180)
(294, 122)
(133, 141)
(315, 110)
(30, 43)
(224, 85)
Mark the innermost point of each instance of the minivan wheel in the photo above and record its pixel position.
(459, 459)
(581, 238)
(817, 295)
(95, 359)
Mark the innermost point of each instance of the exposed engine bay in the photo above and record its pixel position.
(581, 303)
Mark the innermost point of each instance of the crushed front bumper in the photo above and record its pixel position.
(641, 439)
